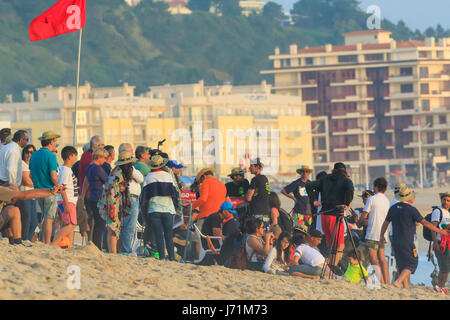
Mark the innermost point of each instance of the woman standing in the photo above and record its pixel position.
(96, 179)
(161, 196)
(275, 205)
(115, 202)
(277, 262)
(27, 184)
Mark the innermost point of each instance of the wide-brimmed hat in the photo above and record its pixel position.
(202, 172)
(444, 194)
(124, 158)
(157, 162)
(405, 194)
(399, 186)
(304, 168)
(236, 172)
(48, 135)
(301, 228)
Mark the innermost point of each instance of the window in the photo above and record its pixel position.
(444, 152)
(406, 71)
(442, 119)
(424, 72)
(424, 88)
(309, 61)
(406, 88)
(429, 120)
(425, 105)
(443, 136)
(374, 57)
(348, 59)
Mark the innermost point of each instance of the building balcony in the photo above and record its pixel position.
(352, 82)
(403, 95)
(82, 124)
(295, 85)
(435, 144)
(434, 77)
(402, 78)
(293, 134)
(353, 115)
(352, 99)
(294, 151)
(353, 148)
(436, 127)
(352, 131)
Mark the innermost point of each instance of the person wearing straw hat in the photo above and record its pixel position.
(440, 217)
(404, 218)
(296, 191)
(159, 203)
(239, 186)
(44, 173)
(115, 203)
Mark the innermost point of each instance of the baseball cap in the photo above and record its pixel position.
(175, 164)
(228, 207)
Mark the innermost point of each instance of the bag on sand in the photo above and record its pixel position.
(285, 221)
(427, 232)
(233, 252)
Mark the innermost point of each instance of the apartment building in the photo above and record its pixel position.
(114, 113)
(374, 102)
(276, 126)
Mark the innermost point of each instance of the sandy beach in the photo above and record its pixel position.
(40, 272)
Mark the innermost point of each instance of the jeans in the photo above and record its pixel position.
(32, 220)
(162, 226)
(129, 226)
(306, 269)
(99, 224)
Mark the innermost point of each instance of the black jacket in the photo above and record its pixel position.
(335, 188)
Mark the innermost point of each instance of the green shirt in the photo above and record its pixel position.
(143, 168)
(353, 273)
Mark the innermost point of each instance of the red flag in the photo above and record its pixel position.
(65, 16)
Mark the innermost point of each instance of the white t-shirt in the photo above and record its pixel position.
(309, 256)
(436, 215)
(25, 168)
(377, 206)
(66, 176)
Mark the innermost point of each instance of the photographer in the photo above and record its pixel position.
(258, 244)
(336, 189)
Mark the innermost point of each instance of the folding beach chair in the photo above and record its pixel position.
(210, 249)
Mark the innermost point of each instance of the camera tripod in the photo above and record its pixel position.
(341, 220)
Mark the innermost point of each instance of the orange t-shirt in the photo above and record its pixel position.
(212, 195)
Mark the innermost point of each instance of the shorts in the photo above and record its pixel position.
(373, 245)
(406, 258)
(328, 223)
(48, 206)
(306, 269)
(443, 261)
(302, 219)
(68, 217)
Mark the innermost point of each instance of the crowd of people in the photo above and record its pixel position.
(41, 200)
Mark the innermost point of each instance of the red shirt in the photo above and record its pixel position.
(85, 160)
(212, 195)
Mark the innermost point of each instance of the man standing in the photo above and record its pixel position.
(302, 208)
(143, 156)
(109, 160)
(4, 134)
(259, 191)
(44, 173)
(176, 170)
(336, 189)
(237, 188)
(440, 218)
(11, 160)
(404, 218)
(374, 214)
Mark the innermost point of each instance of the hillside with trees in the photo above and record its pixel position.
(145, 45)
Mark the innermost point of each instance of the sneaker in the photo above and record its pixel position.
(444, 291)
(440, 290)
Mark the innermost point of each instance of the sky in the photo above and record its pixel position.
(417, 14)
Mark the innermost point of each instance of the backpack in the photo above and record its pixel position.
(236, 253)
(427, 232)
(285, 221)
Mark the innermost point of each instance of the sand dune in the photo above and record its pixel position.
(40, 272)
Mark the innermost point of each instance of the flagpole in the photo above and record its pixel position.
(76, 92)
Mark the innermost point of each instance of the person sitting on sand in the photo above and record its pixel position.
(277, 261)
(310, 259)
(353, 273)
(404, 218)
(258, 244)
(10, 214)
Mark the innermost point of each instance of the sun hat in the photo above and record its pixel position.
(124, 158)
(202, 172)
(302, 229)
(304, 168)
(157, 162)
(236, 172)
(228, 206)
(399, 186)
(49, 135)
(405, 194)
(444, 194)
(257, 162)
(175, 164)
(367, 193)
